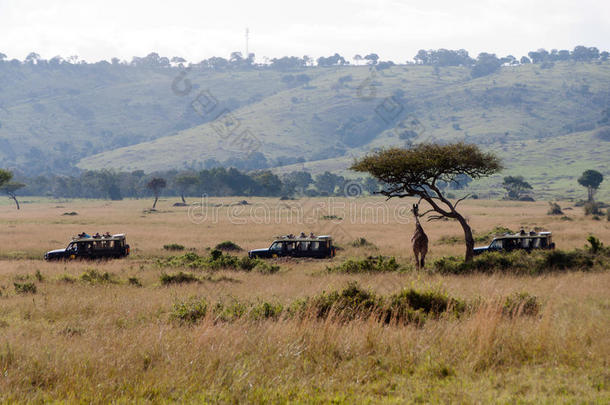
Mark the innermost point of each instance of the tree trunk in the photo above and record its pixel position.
(467, 237)
(182, 196)
(590, 190)
(15, 199)
(155, 203)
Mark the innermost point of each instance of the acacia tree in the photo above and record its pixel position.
(591, 179)
(417, 172)
(515, 186)
(5, 177)
(10, 188)
(184, 182)
(156, 184)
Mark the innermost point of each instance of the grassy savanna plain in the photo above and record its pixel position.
(78, 341)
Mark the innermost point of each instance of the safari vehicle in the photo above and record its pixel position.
(518, 241)
(110, 246)
(318, 247)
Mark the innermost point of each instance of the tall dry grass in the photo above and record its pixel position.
(78, 341)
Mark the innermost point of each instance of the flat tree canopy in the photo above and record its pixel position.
(5, 176)
(416, 172)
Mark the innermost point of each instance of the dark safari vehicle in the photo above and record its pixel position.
(518, 241)
(92, 247)
(318, 247)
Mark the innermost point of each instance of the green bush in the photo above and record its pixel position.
(521, 262)
(25, 288)
(217, 260)
(39, 276)
(554, 209)
(228, 246)
(521, 303)
(409, 306)
(371, 264)
(189, 311)
(592, 208)
(362, 242)
(354, 302)
(134, 281)
(173, 247)
(95, 277)
(178, 278)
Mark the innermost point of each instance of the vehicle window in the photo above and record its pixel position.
(303, 246)
(535, 243)
(496, 244)
(543, 243)
(315, 245)
(276, 246)
(525, 243)
(290, 246)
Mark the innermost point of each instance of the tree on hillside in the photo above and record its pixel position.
(591, 179)
(183, 182)
(486, 64)
(298, 181)
(326, 182)
(371, 58)
(416, 172)
(515, 186)
(10, 188)
(156, 184)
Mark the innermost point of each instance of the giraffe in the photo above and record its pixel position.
(419, 240)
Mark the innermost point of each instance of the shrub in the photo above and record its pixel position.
(331, 217)
(348, 304)
(596, 245)
(230, 311)
(66, 278)
(173, 247)
(520, 262)
(361, 242)
(95, 277)
(592, 208)
(521, 303)
(178, 278)
(228, 246)
(25, 288)
(189, 311)
(218, 260)
(265, 310)
(39, 276)
(371, 264)
(134, 281)
(608, 214)
(412, 306)
(554, 209)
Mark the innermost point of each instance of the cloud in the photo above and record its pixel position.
(394, 29)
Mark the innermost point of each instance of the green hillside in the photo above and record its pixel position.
(543, 120)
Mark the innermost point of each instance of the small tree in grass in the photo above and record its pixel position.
(515, 186)
(184, 182)
(156, 185)
(10, 188)
(419, 170)
(591, 179)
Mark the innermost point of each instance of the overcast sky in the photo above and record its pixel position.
(199, 29)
